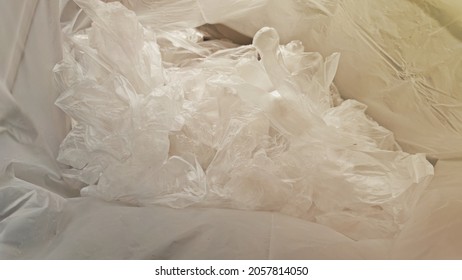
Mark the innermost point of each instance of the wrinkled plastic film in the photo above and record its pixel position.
(166, 117)
(400, 58)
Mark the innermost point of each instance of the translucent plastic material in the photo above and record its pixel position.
(402, 58)
(166, 117)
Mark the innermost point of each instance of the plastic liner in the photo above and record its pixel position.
(165, 117)
(399, 57)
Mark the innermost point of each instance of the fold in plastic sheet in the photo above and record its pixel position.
(39, 224)
(434, 230)
(31, 126)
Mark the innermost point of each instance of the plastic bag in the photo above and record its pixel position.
(400, 58)
(257, 127)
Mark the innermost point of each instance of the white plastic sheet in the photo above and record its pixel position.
(399, 57)
(279, 107)
(204, 132)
